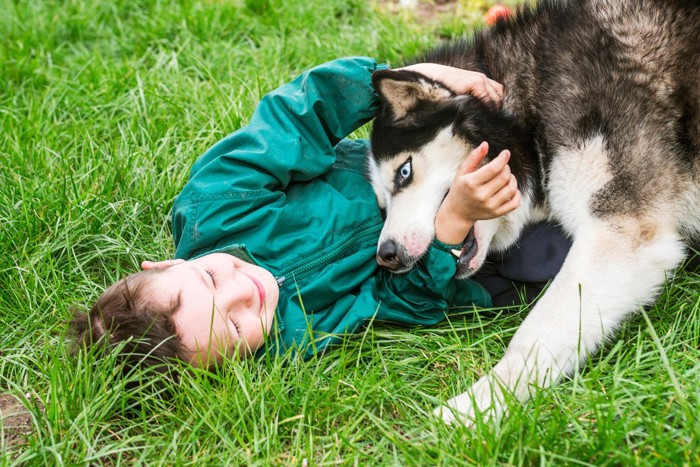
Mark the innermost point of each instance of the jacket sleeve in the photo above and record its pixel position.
(290, 138)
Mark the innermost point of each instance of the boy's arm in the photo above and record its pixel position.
(306, 117)
(291, 137)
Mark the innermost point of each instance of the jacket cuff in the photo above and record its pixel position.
(448, 247)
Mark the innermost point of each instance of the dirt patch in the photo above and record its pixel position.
(15, 420)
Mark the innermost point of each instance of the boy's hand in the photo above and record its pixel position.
(476, 194)
(461, 81)
(146, 265)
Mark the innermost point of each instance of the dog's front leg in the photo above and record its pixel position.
(609, 273)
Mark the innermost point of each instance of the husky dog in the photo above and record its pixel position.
(601, 113)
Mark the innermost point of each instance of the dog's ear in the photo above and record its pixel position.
(402, 91)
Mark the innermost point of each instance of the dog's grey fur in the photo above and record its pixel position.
(602, 115)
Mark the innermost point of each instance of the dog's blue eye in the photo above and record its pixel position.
(405, 170)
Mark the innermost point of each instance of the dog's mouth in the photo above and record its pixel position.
(394, 257)
(467, 254)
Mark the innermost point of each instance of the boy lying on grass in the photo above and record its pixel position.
(278, 225)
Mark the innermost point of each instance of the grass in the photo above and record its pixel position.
(104, 105)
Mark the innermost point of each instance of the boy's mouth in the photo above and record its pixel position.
(261, 290)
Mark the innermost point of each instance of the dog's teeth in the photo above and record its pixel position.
(457, 253)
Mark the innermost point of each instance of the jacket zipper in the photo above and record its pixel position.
(328, 256)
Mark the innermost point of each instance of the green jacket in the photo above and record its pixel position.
(289, 193)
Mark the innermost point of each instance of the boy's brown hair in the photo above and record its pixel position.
(124, 314)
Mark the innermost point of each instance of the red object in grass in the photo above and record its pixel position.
(495, 13)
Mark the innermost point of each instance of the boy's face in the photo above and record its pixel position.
(224, 304)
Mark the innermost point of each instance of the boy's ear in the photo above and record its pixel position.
(146, 265)
(401, 91)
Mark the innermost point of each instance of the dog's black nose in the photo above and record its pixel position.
(387, 255)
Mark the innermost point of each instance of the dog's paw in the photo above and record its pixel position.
(484, 400)
(456, 411)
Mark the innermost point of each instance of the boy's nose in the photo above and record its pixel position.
(242, 292)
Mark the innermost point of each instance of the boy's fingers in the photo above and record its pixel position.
(474, 159)
(498, 182)
(498, 87)
(492, 91)
(501, 195)
(510, 205)
(492, 169)
(508, 198)
(146, 265)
